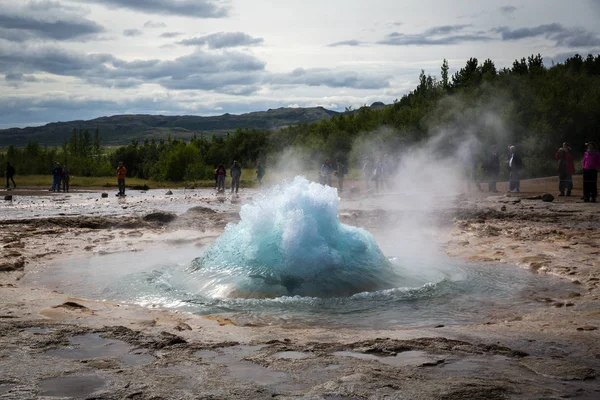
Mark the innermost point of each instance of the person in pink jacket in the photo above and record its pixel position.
(590, 164)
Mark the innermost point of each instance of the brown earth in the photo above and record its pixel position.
(54, 345)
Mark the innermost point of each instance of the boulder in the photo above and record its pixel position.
(547, 197)
(8, 197)
(104, 195)
(169, 193)
(354, 190)
(160, 216)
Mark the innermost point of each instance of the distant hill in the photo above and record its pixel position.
(121, 129)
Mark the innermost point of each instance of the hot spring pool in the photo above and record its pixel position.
(289, 261)
(450, 294)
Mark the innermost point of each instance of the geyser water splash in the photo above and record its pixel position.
(290, 242)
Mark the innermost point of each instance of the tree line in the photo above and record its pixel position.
(531, 105)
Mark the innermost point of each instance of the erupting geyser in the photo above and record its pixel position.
(290, 242)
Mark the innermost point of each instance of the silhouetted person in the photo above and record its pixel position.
(66, 179)
(56, 177)
(515, 166)
(221, 174)
(590, 164)
(566, 168)
(10, 174)
(492, 167)
(121, 172)
(340, 171)
(326, 171)
(367, 171)
(260, 172)
(378, 173)
(235, 172)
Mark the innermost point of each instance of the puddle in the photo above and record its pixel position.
(93, 346)
(247, 371)
(5, 388)
(227, 355)
(291, 355)
(38, 330)
(78, 386)
(404, 359)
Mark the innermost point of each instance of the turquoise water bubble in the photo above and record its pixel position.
(290, 242)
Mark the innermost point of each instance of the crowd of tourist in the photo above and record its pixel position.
(377, 173)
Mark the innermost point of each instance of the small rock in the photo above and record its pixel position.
(71, 305)
(547, 197)
(503, 208)
(104, 195)
(587, 328)
(169, 193)
(8, 197)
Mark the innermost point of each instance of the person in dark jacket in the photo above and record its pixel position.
(566, 168)
(260, 172)
(235, 172)
(492, 168)
(340, 171)
(515, 166)
(10, 173)
(57, 173)
(221, 174)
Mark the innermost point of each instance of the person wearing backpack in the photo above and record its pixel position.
(10, 173)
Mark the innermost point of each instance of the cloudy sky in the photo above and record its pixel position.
(66, 59)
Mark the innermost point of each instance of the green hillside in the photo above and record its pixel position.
(122, 129)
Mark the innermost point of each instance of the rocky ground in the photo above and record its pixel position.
(53, 345)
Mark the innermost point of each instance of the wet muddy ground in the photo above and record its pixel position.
(53, 345)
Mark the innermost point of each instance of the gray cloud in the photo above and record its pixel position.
(439, 35)
(185, 8)
(345, 43)
(170, 35)
(132, 32)
(154, 24)
(568, 37)
(20, 22)
(199, 70)
(222, 40)
(331, 78)
(17, 77)
(508, 10)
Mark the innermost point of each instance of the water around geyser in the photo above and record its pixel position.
(289, 261)
(289, 242)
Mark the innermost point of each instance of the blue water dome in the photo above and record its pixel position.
(290, 242)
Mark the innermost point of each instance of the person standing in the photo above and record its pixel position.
(235, 172)
(221, 174)
(326, 171)
(590, 164)
(121, 172)
(492, 168)
(378, 171)
(260, 172)
(566, 168)
(367, 171)
(66, 178)
(10, 174)
(515, 165)
(340, 171)
(56, 177)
